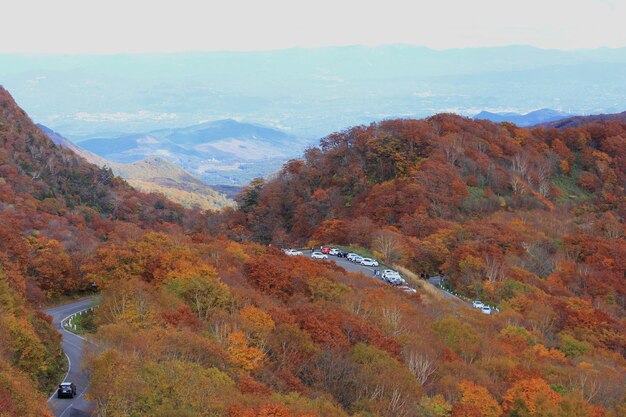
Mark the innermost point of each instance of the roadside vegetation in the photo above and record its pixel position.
(81, 323)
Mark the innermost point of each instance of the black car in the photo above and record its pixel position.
(342, 254)
(66, 390)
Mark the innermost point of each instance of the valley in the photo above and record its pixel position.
(200, 314)
(221, 152)
(313, 209)
(155, 174)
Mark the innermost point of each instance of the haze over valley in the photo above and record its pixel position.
(148, 104)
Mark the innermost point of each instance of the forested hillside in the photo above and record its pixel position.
(485, 204)
(529, 220)
(198, 317)
(55, 209)
(577, 121)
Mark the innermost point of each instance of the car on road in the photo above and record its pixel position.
(486, 310)
(293, 252)
(396, 280)
(478, 304)
(369, 262)
(350, 256)
(66, 390)
(342, 254)
(357, 259)
(334, 252)
(325, 251)
(388, 273)
(319, 255)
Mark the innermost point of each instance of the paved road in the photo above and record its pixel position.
(353, 267)
(436, 281)
(368, 270)
(73, 346)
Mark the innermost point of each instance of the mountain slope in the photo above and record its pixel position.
(55, 209)
(154, 174)
(577, 121)
(529, 119)
(58, 139)
(528, 220)
(223, 149)
(531, 220)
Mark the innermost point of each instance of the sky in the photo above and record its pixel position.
(133, 26)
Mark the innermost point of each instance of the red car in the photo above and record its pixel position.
(325, 251)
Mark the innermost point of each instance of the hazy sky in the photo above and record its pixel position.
(110, 26)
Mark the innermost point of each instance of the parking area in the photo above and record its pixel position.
(381, 273)
(366, 270)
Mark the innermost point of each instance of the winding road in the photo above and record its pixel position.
(73, 346)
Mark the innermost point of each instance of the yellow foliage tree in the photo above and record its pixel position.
(243, 356)
(480, 398)
(534, 396)
(258, 321)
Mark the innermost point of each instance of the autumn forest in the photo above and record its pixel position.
(201, 313)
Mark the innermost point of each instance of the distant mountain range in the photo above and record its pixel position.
(308, 93)
(154, 174)
(529, 119)
(220, 152)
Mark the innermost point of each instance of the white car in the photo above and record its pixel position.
(486, 310)
(395, 280)
(293, 252)
(357, 259)
(334, 252)
(478, 304)
(389, 273)
(319, 255)
(369, 262)
(350, 256)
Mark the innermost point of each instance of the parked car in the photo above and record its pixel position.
(66, 390)
(343, 254)
(357, 259)
(293, 252)
(478, 304)
(369, 262)
(486, 310)
(388, 273)
(326, 251)
(334, 252)
(350, 256)
(319, 255)
(396, 280)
